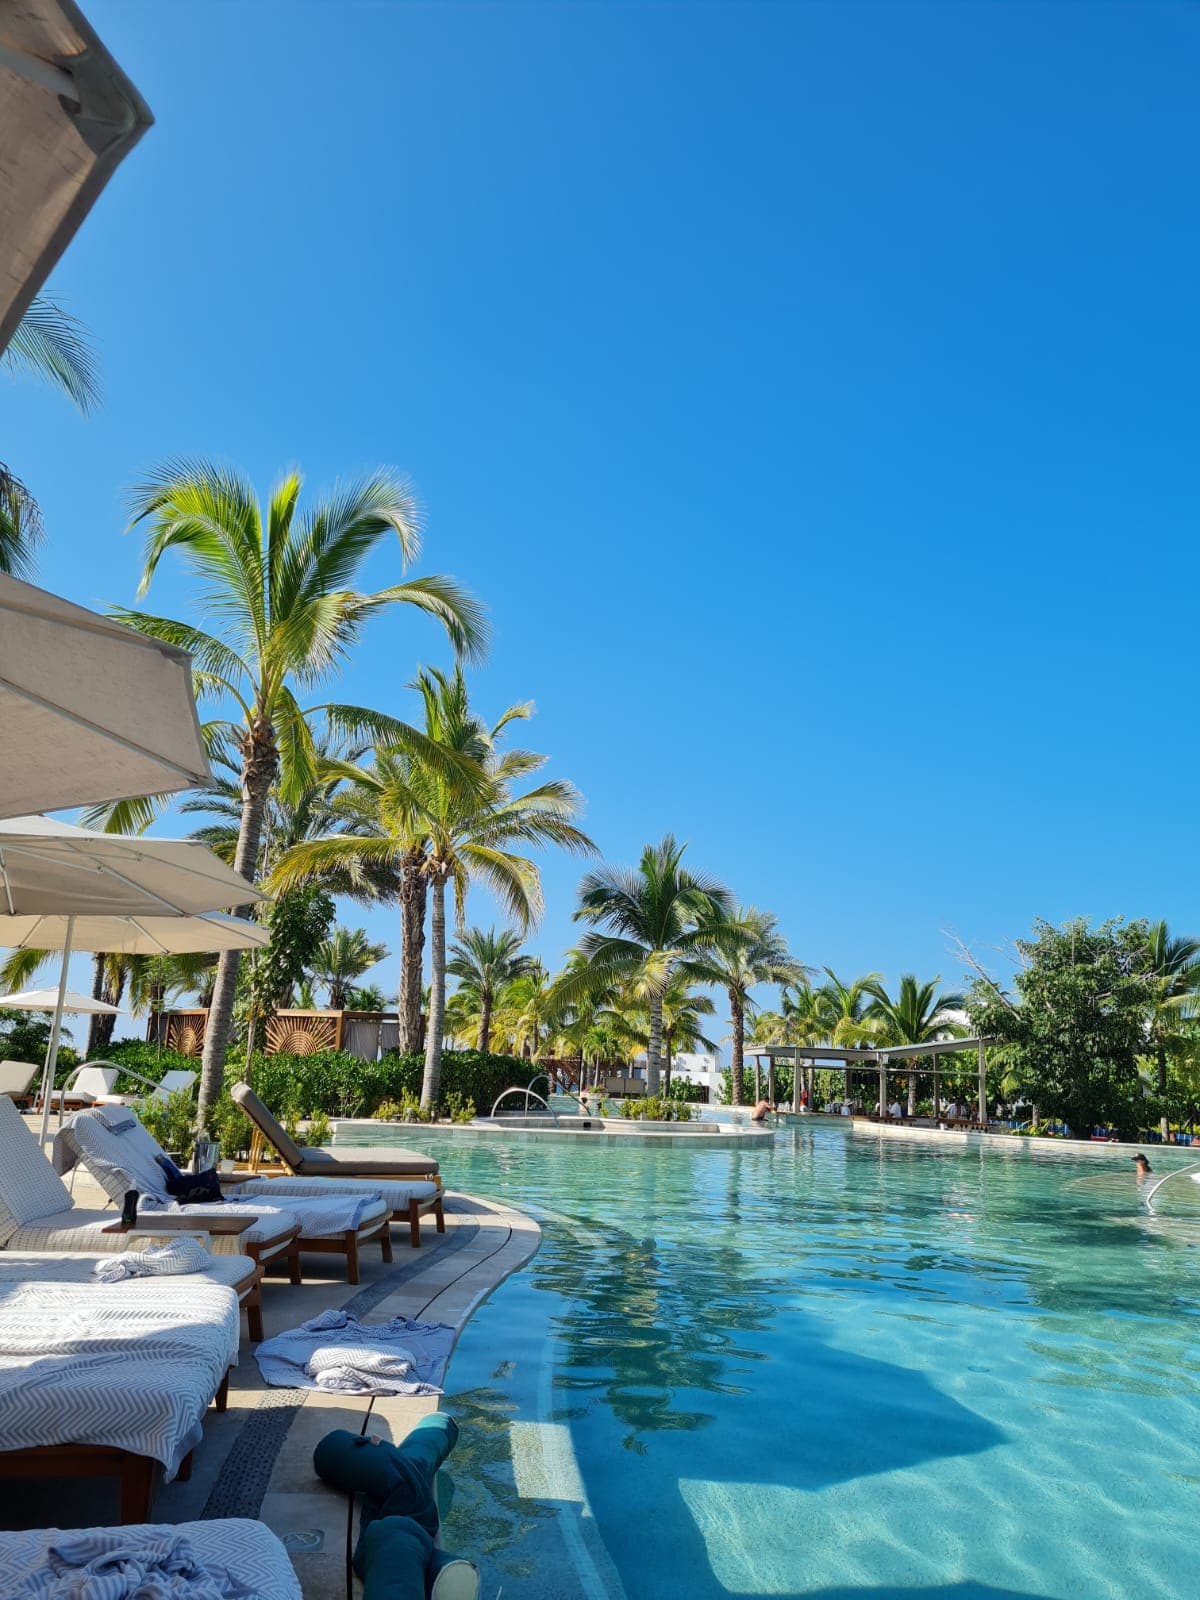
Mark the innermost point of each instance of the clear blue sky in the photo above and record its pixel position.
(809, 390)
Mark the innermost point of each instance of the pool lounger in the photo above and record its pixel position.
(100, 1380)
(240, 1273)
(120, 1154)
(38, 1211)
(408, 1182)
(249, 1551)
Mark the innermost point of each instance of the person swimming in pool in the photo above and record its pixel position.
(759, 1114)
(1144, 1169)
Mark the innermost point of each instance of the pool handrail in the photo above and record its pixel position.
(529, 1094)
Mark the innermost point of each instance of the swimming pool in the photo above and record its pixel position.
(839, 1366)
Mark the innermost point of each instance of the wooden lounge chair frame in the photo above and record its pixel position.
(137, 1473)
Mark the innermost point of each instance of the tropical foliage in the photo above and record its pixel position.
(277, 582)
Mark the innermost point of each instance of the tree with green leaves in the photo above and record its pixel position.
(645, 923)
(1072, 1032)
(277, 583)
(917, 1014)
(52, 345)
(452, 796)
(340, 960)
(1173, 966)
(748, 951)
(485, 962)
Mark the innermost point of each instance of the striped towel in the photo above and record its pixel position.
(110, 1564)
(157, 1261)
(356, 1369)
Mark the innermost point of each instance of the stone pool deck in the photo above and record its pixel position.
(256, 1459)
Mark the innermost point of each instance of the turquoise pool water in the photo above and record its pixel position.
(841, 1366)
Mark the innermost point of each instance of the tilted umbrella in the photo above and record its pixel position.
(47, 1000)
(68, 117)
(50, 869)
(89, 710)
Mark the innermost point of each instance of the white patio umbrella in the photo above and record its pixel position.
(68, 117)
(89, 710)
(50, 870)
(47, 1000)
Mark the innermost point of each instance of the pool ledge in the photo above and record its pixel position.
(1012, 1144)
(693, 1136)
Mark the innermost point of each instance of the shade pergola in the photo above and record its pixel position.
(885, 1059)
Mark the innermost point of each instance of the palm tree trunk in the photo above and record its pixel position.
(413, 887)
(485, 1019)
(105, 986)
(260, 763)
(912, 1094)
(667, 1064)
(737, 1062)
(432, 1083)
(1164, 1125)
(654, 1044)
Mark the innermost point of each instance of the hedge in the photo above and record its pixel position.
(336, 1083)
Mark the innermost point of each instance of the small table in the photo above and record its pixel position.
(149, 1224)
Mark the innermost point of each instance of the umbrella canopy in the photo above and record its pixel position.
(89, 710)
(68, 117)
(135, 936)
(47, 1000)
(50, 868)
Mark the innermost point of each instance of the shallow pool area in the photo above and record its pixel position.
(833, 1365)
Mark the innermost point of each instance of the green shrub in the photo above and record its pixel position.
(317, 1132)
(171, 1121)
(150, 1060)
(341, 1085)
(27, 1038)
(652, 1108)
(406, 1109)
(457, 1107)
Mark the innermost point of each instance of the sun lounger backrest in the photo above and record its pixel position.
(16, 1077)
(266, 1124)
(116, 1150)
(173, 1082)
(30, 1189)
(95, 1080)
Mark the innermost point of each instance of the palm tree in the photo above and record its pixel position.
(527, 1006)
(53, 345)
(341, 959)
(683, 1014)
(276, 582)
(484, 963)
(654, 917)
(449, 797)
(749, 952)
(845, 1009)
(918, 1015)
(1174, 967)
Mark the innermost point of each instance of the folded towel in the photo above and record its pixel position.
(352, 1357)
(117, 1119)
(158, 1260)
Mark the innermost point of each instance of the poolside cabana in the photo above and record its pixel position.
(885, 1059)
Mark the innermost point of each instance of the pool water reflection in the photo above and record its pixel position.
(837, 1366)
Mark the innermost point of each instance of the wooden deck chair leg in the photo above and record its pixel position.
(254, 1318)
(385, 1240)
(137, 1488)
(351, 1256)
(293, 1261)
(414, 1224)
(221, 1398)
(440, 1214)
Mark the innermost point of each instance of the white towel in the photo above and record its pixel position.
(111, 1564)
(157, 1261)
(355, 1369)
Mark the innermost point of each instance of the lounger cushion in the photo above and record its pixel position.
(233, 1272)
(249, 1551)
(29, 1186)
(364, 1163)
(395, 1195)
(267, 1125)
(128, 1366)
(80, 1229)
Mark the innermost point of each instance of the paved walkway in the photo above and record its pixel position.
(256, 1459)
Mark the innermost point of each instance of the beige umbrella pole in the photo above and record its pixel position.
(55, 1032)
